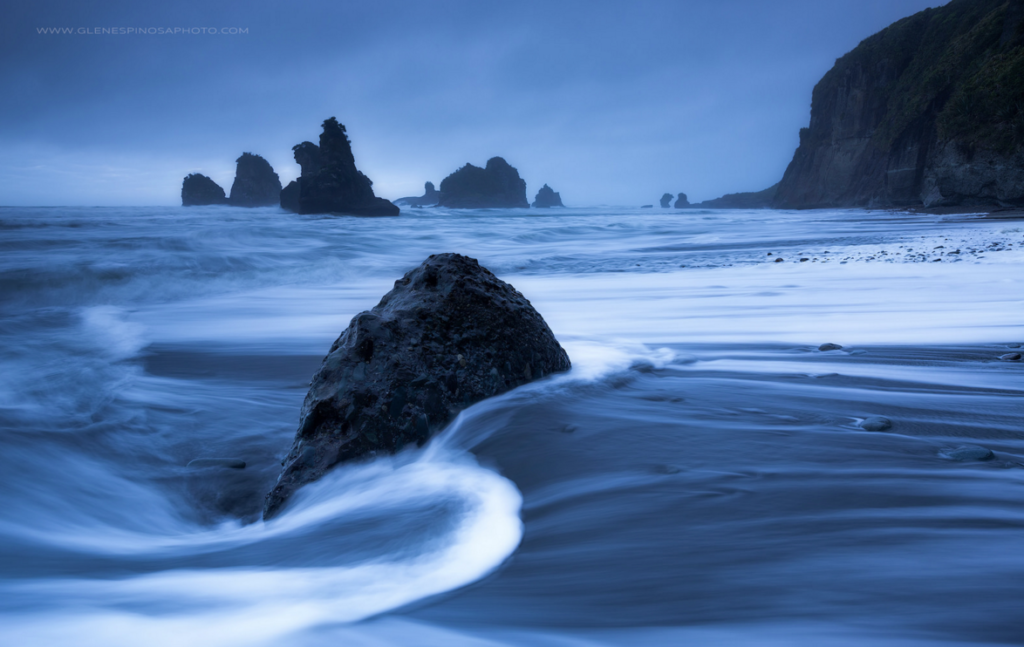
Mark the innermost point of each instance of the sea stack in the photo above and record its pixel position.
(496, 186)
(666, 200)
(448, 335)
(681, 201)
(547, 197)
(256, 184)
(428, 199)
(197, 190)
(330, 181)
(929, 111)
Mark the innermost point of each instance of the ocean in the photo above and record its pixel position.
(701, 476)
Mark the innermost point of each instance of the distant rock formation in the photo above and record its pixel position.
(198, 190)
(547, 197)
(428, 199)
(929, 111)
(448, 335)
(682, 202)
(666, 201)
(256, 184)
(751, 200)
(330, 181)
(496, 186)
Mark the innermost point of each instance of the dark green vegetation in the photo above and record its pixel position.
(929, 110)
(964, 62)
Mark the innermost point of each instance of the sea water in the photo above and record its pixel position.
(699, 477)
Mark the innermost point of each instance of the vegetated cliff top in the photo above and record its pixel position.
(961, 64)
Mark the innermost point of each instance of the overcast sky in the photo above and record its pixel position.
(608, 102)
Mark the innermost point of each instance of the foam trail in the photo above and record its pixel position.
(245, 606)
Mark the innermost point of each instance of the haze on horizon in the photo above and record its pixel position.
(607, 102)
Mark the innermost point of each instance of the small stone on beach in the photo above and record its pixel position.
(968, 453)
(233, 463)
(876, 423)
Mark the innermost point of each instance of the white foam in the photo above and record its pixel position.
(246, 606)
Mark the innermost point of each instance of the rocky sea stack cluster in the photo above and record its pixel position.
(929, 111)
(330, 181)
(197, 190)
(496, 186)
(547, 197)
(448, 335)
(256, 185)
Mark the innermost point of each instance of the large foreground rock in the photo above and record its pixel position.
(198, 190)
(256, 184)
(497, 186)
(449, 334)
(330, 181)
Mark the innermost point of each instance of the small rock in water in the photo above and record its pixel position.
(1010, 357)
(876, 423)
(666, 469)
(779, 259)
(968, 453)
(233, 463)
(829, 346)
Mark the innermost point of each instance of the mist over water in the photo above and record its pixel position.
(700, 476)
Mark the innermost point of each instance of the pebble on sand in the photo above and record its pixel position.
(968, 453)
(779, 259)
(233, 463)
(876, 423)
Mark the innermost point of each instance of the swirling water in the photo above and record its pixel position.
(699, 477)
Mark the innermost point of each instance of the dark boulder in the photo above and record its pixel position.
(448, 335)
(198, 190)
(547, 197)
(497, 186)
(330, 181)
(682, 202)
(256, 184)
(666, 201)
(428, 199)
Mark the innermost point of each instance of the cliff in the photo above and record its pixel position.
(928, 111)
(330, 181)
(749, 200)
(497, 185)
